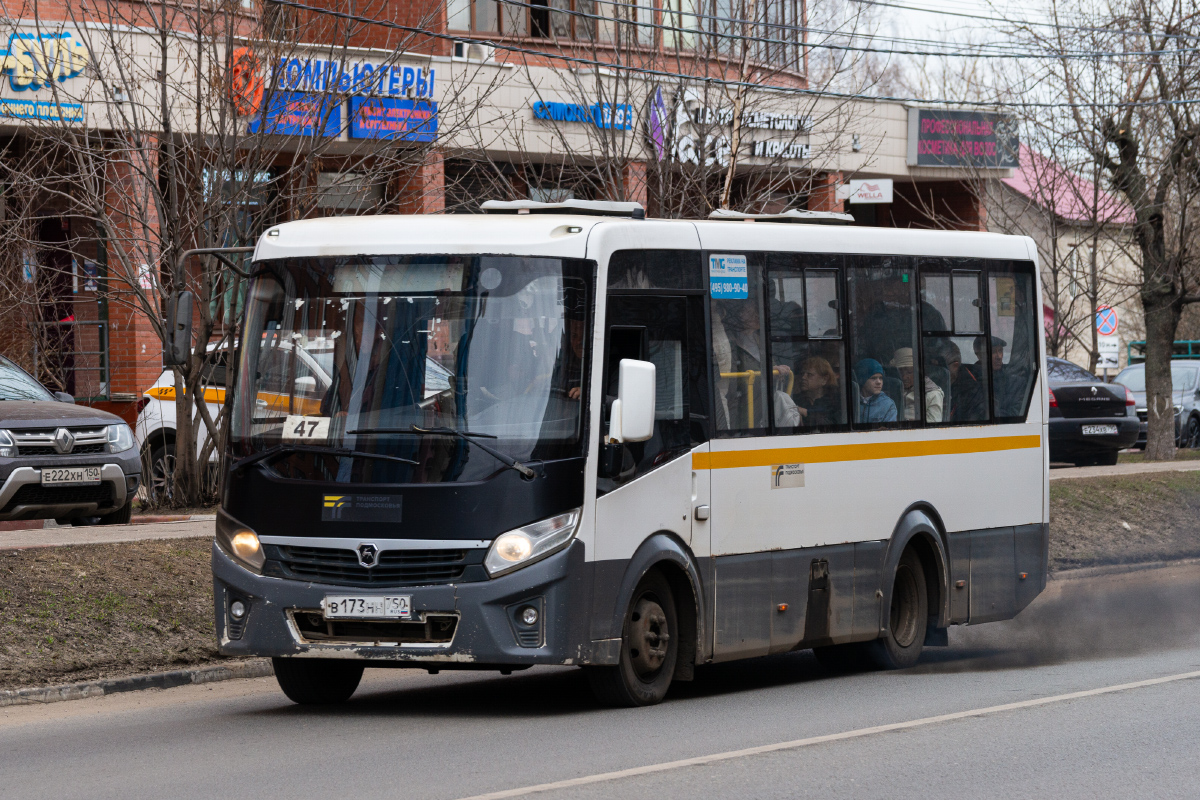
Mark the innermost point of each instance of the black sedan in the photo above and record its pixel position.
(1090, 420)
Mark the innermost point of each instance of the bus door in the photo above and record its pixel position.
(650, 487)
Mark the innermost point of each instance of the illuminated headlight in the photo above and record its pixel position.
(239, 542)
(8, 448)
(120, 438)
(531, 543)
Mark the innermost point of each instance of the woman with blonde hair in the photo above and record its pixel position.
(819, 402)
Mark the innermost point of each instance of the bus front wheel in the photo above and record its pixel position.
(316, 682)
(900, 645)
(649, 649)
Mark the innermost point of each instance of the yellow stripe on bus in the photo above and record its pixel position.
(732, 459)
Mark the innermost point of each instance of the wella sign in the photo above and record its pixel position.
(870, 190)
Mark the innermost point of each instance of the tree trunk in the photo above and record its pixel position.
(1162, 319)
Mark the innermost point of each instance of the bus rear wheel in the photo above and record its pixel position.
(317, 682)
(900, 646)
(649, 649)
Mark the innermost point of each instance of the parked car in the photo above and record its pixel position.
(1090, 420)
(59, 460)
(1185, 383)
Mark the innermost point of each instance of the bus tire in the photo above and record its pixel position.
(317, 682)
(900, 645)
(649, 649)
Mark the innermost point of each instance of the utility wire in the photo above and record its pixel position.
(1027, 22)
(685, 78)
(722, 21)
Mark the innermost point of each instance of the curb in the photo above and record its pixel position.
(258, 668)
(1119, 569)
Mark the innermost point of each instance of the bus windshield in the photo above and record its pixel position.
(370, 352)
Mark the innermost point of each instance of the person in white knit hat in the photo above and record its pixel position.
(934, 396)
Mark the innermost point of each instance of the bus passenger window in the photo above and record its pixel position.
(950, 305)
(883, 337)
(739, 358)
(809, 393)
(1014, 338)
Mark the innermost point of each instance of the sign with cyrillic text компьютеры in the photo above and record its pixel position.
(727, 277)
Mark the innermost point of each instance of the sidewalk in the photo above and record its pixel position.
(1057, 473)
(200, 525)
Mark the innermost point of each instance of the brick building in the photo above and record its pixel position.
(432, 107)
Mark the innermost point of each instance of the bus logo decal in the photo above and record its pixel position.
(362, 508)
(334, 503)
(368, 555)
(787, 476)
(728, 278)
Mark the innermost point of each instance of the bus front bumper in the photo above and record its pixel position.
(464, 625)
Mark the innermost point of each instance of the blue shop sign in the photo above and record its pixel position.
(618, 116)
(392, 118)
(299, 114)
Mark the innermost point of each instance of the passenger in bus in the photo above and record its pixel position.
(819, 400)
(738, 357)
(934, 396)
(873, 404)
(969, 388)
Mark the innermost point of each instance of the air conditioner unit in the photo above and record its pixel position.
(474, 51)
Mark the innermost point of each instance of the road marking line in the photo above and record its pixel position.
(650, 769)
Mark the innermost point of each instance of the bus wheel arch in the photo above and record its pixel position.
(920, 528)
(667, 554)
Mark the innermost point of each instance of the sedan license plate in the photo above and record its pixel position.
(1099, 430)
(340, 606)
(66, 476)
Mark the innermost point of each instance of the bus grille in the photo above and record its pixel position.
(395, 567)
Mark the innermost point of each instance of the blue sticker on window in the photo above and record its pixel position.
(727, 278)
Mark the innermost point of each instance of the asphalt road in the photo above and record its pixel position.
(1092, 692)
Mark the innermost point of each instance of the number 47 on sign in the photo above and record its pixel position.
(299, 428)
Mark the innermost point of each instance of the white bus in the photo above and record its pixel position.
(576, 436)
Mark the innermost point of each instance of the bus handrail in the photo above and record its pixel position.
(749, 376)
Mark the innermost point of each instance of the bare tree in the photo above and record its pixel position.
(209, 126)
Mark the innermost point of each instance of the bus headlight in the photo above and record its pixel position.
(524, 546)
(239, 542)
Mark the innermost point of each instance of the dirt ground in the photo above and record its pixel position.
(1124, 519)
(72, 614)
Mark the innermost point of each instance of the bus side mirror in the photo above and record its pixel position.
(632, 418)
(178, 340)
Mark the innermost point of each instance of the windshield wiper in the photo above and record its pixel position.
(466, 436)
(279, 449)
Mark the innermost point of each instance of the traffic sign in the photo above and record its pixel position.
(1109, 348)
(1106, 321)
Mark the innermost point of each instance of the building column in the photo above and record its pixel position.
(823, 195)
(421, 188)
(634, 182)
(133, 254)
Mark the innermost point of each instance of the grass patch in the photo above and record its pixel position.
(1124, 519)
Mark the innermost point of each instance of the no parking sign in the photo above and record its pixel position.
(1106, 321)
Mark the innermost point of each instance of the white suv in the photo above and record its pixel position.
(155, 428)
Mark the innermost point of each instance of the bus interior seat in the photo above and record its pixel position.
(895, 390)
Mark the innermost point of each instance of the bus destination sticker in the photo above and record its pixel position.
(787, 476)
(727, 278)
